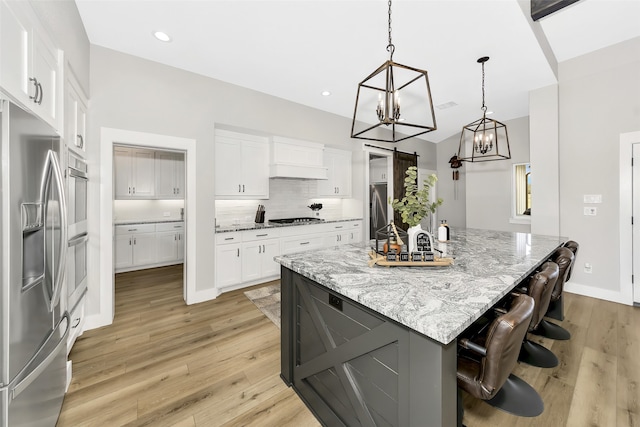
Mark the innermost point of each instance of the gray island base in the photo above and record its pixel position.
(376, 346)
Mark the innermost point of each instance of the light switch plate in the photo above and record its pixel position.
(592, 198)
(590, 210)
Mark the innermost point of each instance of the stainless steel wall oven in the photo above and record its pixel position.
(77, 219)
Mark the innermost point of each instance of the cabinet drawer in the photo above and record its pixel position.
(170, 226)
(249, 235)
(302, 230)
(301, 243)
(224, 238)
(135, 228)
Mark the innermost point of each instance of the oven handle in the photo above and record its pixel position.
(77, 173)
(80, 238)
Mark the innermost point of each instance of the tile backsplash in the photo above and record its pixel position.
(287, 198)
(131, 210)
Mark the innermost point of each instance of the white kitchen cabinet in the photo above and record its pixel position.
(30, 63)
(75, 114)
(134, 173)
(241, 166)
(169, 175)
(228, 259)
(77, 319)
(135, 246)
(257, 259)
(343, 233)
(338, 163)
(169, 242)
(378, 170)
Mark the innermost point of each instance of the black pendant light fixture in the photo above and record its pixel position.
(397, 99)
(485, 139)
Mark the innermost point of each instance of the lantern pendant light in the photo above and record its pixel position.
(485, 139)
(394, 102)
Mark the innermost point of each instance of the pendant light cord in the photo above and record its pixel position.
(484, 108)
(390, 47)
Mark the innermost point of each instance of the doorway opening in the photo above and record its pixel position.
(102, 301)
(148, 213)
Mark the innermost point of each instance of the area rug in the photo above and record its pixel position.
(267, 299)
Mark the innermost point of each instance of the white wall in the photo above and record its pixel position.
(453, 193)
(488, 184)
(599, 99)
(134, 94)
(544, 154)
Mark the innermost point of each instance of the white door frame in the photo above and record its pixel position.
(627, 140)
(110, 137)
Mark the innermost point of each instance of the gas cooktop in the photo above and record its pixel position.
(300, 220)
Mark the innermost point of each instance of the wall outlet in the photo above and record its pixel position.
(590, 211)
(166, 214)
(588, 268)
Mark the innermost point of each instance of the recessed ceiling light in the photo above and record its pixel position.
(489, 112)
(326, 93)
(446, 105)
(162, 36)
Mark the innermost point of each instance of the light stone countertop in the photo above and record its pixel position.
(254, 226)
(145, 221)
(439, 302)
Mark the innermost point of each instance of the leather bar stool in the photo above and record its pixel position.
(564, 258)
(573, 246)
(539, 287)
(485, 362)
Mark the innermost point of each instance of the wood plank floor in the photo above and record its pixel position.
(163, 363)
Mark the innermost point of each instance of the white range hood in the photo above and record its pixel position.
(293, 158)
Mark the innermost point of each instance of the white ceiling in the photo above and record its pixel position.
(295, 49)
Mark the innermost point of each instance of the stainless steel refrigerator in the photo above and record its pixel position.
(34, 324)
(377, 207)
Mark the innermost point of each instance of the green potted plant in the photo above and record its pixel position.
(415, 205)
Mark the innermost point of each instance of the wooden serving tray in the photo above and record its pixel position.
(377, 259)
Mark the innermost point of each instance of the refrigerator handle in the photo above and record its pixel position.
(33, 375)
(53, 165)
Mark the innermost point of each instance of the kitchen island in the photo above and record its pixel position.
(375, 345)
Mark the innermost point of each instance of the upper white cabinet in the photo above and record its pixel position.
(134, 175)
(241, 166)
(338, 163)
(169, 175)
(30, 63)
(75, 114)
(378, 170)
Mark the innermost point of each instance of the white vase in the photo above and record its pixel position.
(419, 239)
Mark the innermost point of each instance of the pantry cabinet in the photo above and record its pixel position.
(338, 163)
(134, 176)
(30, 63)
(169, 175)
(140, 246)
(169, 242)
(241, 166)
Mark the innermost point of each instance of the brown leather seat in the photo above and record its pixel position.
(487, 362)
(539, 287)
(565, 259)
(573, 246)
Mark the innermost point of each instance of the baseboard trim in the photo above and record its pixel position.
(603, 294)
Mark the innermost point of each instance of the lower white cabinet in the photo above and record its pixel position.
(245, 258)
(257, 259)
(228, 259)
(77, 317)
(148, 245)
(169, 242)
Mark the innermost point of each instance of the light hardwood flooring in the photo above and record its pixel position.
(163, 363)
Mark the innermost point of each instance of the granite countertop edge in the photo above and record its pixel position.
(255, 226)
(145, 221)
